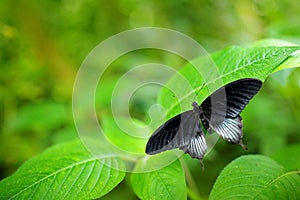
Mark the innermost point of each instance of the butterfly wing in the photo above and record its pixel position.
(220, 111)
(197, 146)
(175, 133)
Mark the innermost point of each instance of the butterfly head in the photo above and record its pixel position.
(196, 106)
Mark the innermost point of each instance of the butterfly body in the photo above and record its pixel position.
(218, 113)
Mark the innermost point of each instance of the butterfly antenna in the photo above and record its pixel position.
(202, 165)
(198, 91)
(243, 145)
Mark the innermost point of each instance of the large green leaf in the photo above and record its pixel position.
(232, 63)
(256, 177)
(165, 183)
(65, 171)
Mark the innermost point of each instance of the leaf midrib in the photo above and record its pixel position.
(164, 184)
(162, 180)
(274, 181)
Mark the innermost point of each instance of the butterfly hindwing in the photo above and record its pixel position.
(197, 146)
(230, 129)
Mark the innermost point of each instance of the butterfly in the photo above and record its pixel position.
(220, 113)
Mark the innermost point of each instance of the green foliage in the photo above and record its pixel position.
(43, 43)
(232, 63)
(256, 177)
(29, 117)
(65, 171)
(268, 142)
(117, 137)
(69, 171)
(160, 184)
(285, 159)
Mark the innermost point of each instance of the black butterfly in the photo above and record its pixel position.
(220, 112)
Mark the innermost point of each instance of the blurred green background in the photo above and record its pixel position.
(43, 43)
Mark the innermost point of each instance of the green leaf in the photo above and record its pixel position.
(292, 61)
(284, 157)
(65, 171)
(165, 183)
(256, 177)
(233, 63)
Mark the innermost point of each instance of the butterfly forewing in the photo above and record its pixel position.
(230, 100)
(176, 132)
(220, 111)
